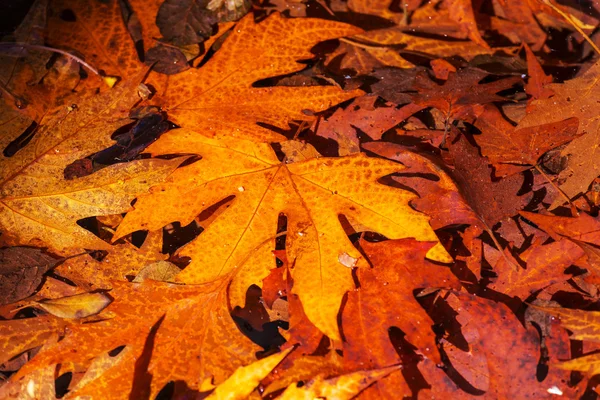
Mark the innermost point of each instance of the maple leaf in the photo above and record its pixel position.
(513, 150)
(97, 31)
(122, 261)
(574, 98)
(219, 98)
(311, 194)
(37, 206)
(172, 318)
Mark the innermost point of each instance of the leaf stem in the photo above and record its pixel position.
(574, 211)
(52, 49)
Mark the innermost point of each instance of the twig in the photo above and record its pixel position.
(574, 211)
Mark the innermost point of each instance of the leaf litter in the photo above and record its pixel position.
(299, 199)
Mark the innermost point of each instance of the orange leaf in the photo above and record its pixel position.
(219, 98)
(311, 194)
(187, 330)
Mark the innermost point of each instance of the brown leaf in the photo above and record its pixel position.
(185, 22)
(545, 265)
(362, 115)
(21, 272)
(492, 200)
(371, 309)
(439, 199)
(462, 94)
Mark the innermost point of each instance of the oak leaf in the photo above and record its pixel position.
(545, 265)
(462, 94)
(584, 325)
(511, 364)
(311, 194)
(492, 200)
(399, 269)
(245, 379)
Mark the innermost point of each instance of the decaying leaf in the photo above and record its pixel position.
(21, 272)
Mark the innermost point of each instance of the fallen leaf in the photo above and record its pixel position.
(575, 98)
(219, 99)
(193, 336)
(162, 271)
(342, 387)
(46, 212)
(362, 115)
(462, 94)
(545, 265)
(491, 200)
(78, 306)
(513, 150)
(399, 268)
(245, 379)
(21, 272)
(461, 11)
(185, 22)
(311, 194)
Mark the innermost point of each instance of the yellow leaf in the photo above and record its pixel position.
(39, 207)
(163, 271)
(340, 388)
(78, 306)
(312, 194)
(245, 379)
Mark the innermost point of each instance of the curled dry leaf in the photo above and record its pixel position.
(78, 306)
